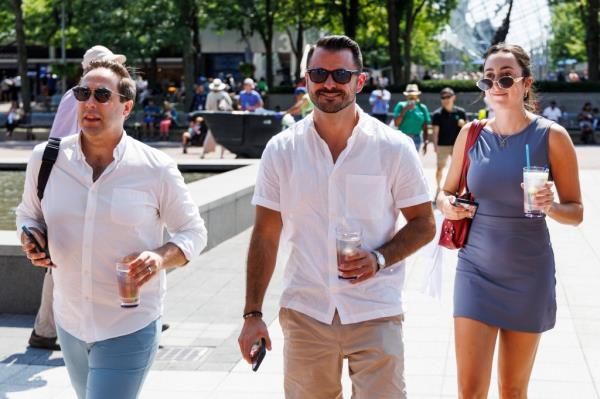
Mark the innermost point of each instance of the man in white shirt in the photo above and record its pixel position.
(108, 200)
(65, 123)
(552, 112)
(337, 166)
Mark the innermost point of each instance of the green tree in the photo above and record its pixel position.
(588, 12)
(17, 8)
(568, 34)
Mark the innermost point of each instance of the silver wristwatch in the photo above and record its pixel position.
(380, 259)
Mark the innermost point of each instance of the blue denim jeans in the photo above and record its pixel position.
(114, 368)
(417, 140)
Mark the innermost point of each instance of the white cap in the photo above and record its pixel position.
(249, 81)
(103, 54)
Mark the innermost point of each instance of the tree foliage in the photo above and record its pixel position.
(568, 34)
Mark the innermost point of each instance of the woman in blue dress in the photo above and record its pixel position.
(505, 279)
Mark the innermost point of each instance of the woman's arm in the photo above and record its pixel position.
(446, 196)
(565, 171)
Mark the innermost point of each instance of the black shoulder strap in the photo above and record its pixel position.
(48, 160)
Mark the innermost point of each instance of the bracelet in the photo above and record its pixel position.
(254, 313)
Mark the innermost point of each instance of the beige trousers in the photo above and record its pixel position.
(314, 352)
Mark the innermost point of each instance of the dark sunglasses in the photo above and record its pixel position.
(505, 82)
(445, 97)
(342, 76)
(101, 94)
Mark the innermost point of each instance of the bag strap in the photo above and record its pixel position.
(48, 160)
(474, 130)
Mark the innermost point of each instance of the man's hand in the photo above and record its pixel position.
(143, 266)
(254, 329)
(36, 258)
(360, 266)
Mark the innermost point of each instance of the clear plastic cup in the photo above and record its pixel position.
(129, 292)
(348, 240)
(534, 178)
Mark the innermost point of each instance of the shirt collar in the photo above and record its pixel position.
(360, 126)
(118, 152)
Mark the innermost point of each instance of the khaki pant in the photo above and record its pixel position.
(443, 153)
(44, 320)
(314, 351)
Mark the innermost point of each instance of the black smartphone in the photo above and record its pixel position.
(260, 350)
(38, 247)
(465, 203)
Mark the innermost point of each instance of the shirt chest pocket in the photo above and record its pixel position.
(364, 196)
(131, 207)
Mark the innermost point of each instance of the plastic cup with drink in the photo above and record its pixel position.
(348, 240)
(534, 179)
(129, 292)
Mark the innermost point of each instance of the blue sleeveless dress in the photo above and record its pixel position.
(505, 275)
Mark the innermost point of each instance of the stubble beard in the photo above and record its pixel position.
(332, 107)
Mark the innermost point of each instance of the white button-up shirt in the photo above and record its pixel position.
(376, 175)
(92, 225)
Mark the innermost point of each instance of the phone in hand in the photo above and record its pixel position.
(258, 352)
(38, 247)
(468, 205)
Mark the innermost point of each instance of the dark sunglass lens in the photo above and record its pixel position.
(485, 84)
(342, 76)
(81, 93)
(506, 82)
(102, 95)
(446, 97)
(318, 75)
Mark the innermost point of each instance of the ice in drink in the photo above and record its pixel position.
(129, 292)
(347, 244)
(534, 178)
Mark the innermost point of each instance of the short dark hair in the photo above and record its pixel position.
(338, 43)
(126, 85)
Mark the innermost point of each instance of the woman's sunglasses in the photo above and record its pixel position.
(505, 82)
(342, 76)
(101, 94)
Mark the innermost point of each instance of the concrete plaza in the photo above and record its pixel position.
(200, 357)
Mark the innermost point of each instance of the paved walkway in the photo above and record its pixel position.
(199, 358)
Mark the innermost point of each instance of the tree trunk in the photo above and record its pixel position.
(502, 31)
(268, 41)
(189, 57)
(592, 33)
(407, 42)
(393, 7)
(22, 55)
(349, 11)
(299, 47)
(153, 74)
(189, 18)
(198, 46)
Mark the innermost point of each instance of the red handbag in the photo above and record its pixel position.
(455, 232)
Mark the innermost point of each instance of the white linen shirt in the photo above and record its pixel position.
(91, 225)
(376, 175)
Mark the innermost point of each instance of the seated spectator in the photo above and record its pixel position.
(586, 123)
(12, 118)
(552, 112)
(195, 134)
(165, 126)
(250, 100)
(151, 112)
(199, 102)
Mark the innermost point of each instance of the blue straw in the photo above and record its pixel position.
(527, 156)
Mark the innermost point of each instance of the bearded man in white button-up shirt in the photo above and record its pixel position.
(338, 166)
(108, 200)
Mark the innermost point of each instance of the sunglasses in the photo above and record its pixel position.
(505, 82)
(446, 97)
(342, 76)
(102, 94)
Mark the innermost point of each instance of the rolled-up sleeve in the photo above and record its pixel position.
(266, 190)
(409, 186)
(180, 213)
(29, 212)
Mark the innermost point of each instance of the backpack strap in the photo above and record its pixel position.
(48, 160)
